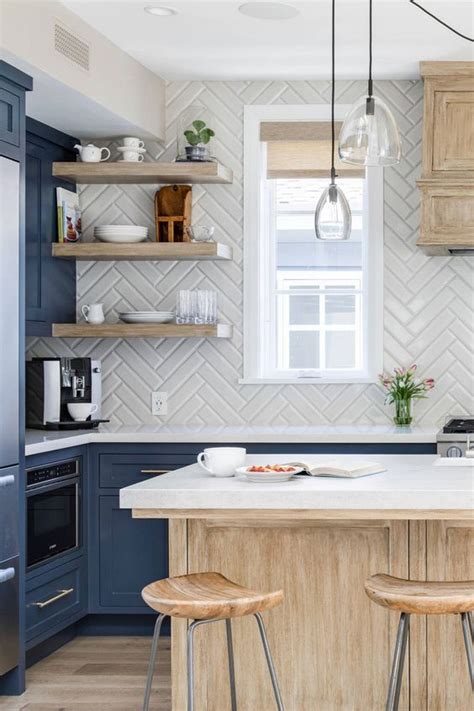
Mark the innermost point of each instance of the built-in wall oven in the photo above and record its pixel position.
(53, 507)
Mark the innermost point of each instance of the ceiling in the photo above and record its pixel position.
(213, 41)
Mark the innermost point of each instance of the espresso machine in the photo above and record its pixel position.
(53, 383)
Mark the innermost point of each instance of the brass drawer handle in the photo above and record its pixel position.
(61, 594)
(154, 471)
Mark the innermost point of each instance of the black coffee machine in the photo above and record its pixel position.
(53, 383)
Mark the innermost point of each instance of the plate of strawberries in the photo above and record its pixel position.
(269, 473)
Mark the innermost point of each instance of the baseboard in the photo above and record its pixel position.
(44, 649)
(109, 625)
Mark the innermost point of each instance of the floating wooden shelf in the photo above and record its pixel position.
(106, 173)
(141, 330)
(149, 251)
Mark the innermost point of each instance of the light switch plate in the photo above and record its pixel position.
(159, 404)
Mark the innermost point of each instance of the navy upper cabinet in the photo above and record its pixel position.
(13, 84)
(50, 282)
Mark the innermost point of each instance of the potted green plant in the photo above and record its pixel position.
(198, 137)
(402, 388)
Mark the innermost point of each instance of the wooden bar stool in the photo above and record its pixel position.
(416, 597)
(205, 598)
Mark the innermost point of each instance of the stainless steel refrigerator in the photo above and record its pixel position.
(9, 411)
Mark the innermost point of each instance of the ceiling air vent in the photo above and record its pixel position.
(71, 46)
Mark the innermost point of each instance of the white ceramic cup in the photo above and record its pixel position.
(80, 411)
(132, 155)
(93, 313)
(132, 142)
(222, 461)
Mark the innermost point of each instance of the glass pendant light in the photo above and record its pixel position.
(369, 135)
(332, 219)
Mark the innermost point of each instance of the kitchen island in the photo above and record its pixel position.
(319, 539)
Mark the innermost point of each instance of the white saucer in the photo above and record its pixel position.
(122, 149)
(122, 160)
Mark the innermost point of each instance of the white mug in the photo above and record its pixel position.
(132, 155)
(222, 461)
(80, 411)
(93, 313)
(132, 142)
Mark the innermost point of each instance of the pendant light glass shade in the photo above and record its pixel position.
(332, 219)
(369, 135)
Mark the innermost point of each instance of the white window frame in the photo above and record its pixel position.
(258, 268)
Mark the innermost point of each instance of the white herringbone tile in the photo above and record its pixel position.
(429, 302)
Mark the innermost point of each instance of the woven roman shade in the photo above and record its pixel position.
(302, 149)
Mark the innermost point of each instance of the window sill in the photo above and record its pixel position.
(307, 381)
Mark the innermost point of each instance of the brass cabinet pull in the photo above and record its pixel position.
(154, 471)
(61, 594)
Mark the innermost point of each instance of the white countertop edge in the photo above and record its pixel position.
(39, 441)
(410, 482)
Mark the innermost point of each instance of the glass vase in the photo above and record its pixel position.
(403, 416)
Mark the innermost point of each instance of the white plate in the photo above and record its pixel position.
(123, 149)
(120, 238)
(122, 228)
(122, 160)
(146, 319)
(269, 476)
(146, 313)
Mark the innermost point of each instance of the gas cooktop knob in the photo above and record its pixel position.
(454, 451)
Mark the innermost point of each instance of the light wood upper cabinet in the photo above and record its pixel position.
(447, 184)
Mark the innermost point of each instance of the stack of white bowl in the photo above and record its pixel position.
(120, 233)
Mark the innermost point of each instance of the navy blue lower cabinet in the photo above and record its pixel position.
(55, 599)
(132, 553)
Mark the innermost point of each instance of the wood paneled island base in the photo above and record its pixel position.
(332, 646)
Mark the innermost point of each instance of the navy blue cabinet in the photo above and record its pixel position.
(13, 84)
(132, 553)
(50, 283)
(126, 553)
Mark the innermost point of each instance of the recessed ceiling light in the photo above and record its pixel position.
(161, 11)
(268, 10)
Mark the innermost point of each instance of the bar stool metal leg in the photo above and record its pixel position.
(230, 653)
(152, 662)
(467, 632)
(271, 667)
(190, 657)
(396, 675)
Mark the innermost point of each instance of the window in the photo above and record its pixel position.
(312, 308)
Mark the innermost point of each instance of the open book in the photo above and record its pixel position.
(340, 468)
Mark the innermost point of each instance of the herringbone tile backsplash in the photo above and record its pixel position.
(428, 303)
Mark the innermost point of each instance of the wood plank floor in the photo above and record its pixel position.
(96, 674)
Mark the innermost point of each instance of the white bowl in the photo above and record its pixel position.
(147, 318)
(124, 238)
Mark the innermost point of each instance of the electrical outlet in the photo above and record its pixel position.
(159, 404)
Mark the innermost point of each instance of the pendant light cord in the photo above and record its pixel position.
(441, 22)
(370, 89)
(333, 92)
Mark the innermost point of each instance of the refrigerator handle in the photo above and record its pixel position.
(6, 574)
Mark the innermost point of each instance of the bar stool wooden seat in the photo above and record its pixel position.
(416, 597)
(205, 598)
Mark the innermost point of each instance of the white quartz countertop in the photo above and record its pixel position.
(38, 441)
(410, 483)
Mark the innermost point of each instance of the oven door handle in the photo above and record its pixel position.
(55, 598)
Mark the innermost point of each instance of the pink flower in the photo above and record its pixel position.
(412, 368)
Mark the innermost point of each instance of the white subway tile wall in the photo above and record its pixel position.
(428, 303)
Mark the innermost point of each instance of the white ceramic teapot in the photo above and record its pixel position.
(91, 153)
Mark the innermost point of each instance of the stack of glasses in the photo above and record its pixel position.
(197, 306)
